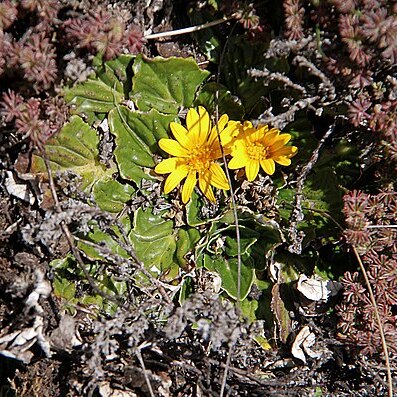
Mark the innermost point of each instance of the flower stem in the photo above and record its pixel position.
(229, 179)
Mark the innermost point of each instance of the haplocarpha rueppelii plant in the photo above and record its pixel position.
(196, 150)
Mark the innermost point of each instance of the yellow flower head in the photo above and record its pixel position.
(195, 150)
(254, 147)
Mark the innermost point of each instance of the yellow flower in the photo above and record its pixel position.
(195, 150)
(254, 147)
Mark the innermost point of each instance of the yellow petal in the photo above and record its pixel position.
(288, 151)
(205, 125)
(270, 137)
(216, 152)
(206, 189)
(256, 135)
(235, 124)
(268, 166)
(198, 125)
(231, 131)
(239, 148)
(221, 126)
(223, 120)
(204, 117)
(227, 139)
(192, 119)
(282, 160)
(175, 178)
(166, 166)
(285, 137)
(238, 162)
(248, 124)
(252, 169)
(173, 147)
(281, 141)
(218, 177)
(213, 139)
(188, 186)
(180, 134)
(248, 128)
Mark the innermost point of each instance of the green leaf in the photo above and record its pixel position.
(74, 149)
(68, 275)
(228, 104)
(92, 97)
(109, 285)
(63, 283)
(291, 266)
(318, 392)
(263, 342)
(186, 239)
(322, 191)
(165, 84)
(153, 240)
(111, 195)
(248, 308)
(116, 73)
(267, 232)
(241, 56)
(102, 91)
(193, 211)
(302, 137)
(137, 135)
(322, 197)
(214, 3)
(264, 311)
(219, 251)
(228, 271)
(63, 264)
(64, 288)
(112, 288)
(105, 240)
(102, 239)
(186, 289)
(96, 301)
(248, 237)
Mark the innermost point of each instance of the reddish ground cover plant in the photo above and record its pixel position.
(102, 33)
(34, 118)
(33, 58)
(371, 221)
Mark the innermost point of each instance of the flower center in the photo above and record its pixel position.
(257, 151)
(200, 159)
